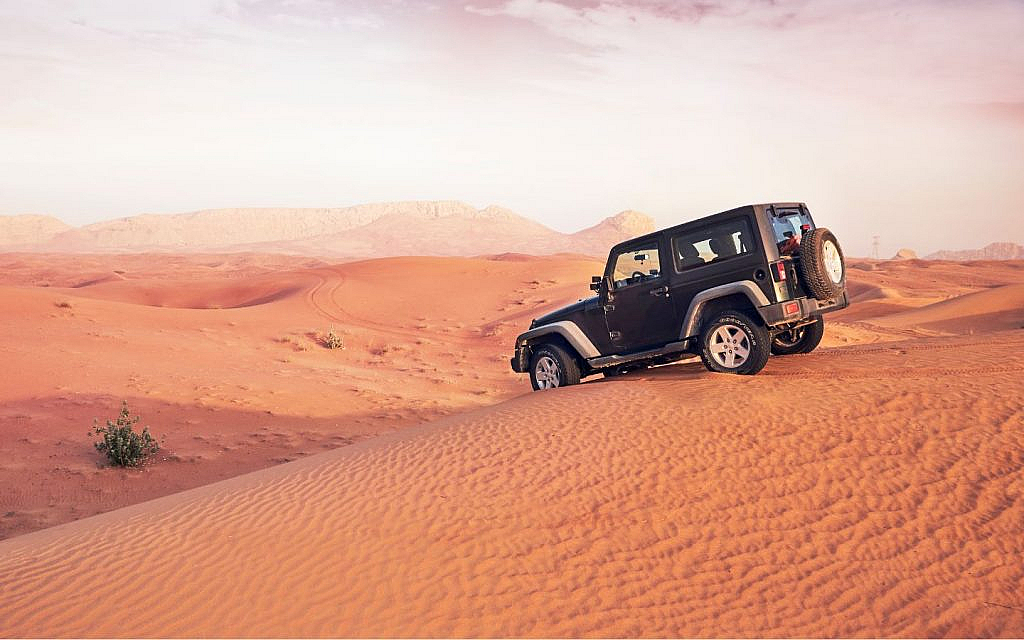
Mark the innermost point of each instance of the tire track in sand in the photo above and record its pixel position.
(328, 306)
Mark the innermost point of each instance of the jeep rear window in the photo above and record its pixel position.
(793, 221)
(712, 244)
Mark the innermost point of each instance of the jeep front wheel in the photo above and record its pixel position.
(552, 367)
(799, 340)
(734, 343)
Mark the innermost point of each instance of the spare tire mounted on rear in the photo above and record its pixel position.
(822, 267)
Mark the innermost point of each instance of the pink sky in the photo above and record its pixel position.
(904, 120)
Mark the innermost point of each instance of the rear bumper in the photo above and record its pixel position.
(774, 314)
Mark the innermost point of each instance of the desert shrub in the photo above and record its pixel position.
(122, 445)
(333, 340)
(62, 304)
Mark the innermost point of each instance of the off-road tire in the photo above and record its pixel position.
(731, 335)
(821, 263)
(551, 366)
(803, 339)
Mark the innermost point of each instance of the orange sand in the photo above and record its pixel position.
(873, 487)
(219, 355)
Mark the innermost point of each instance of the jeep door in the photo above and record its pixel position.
(709, 255)
(638, 310)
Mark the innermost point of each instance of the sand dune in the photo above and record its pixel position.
(879, 289)
(863, 292)
(190, 294)
(989, 310)
(870, 488)
(647, 505)
(221, 356)
(38, 269)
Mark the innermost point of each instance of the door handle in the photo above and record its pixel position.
(660, 291)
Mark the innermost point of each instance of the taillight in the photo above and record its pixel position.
(790, 308)
(780, 271)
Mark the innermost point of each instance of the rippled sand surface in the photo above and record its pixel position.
(857, 491)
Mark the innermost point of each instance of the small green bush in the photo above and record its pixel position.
(121, 444)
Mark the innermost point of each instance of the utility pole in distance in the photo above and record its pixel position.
(874, 247)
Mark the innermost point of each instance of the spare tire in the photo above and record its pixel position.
(822, 267)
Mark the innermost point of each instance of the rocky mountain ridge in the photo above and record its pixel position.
(369, 230)
(993, 251)
(29, 229)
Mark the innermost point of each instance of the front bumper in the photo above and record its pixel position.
(775, 314)
(520, 361)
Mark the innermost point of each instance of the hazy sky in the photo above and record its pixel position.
(903, 119)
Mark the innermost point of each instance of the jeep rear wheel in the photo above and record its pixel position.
(799, 340)
(822, 267)
(734, 343)
(552, 367)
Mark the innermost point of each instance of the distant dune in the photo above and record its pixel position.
(372, 230)
(991, 309)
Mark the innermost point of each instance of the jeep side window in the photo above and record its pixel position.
(712, 244)
(637, 265)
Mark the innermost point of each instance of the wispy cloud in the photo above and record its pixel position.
(917, 50)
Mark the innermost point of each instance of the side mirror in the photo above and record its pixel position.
(595, 283)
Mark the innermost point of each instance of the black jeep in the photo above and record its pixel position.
(731, 288)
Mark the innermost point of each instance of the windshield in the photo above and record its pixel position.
(789, 226)
(636, 265)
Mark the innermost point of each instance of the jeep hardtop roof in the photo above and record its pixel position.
(747, 208)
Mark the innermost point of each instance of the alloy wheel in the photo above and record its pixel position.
(729, 346)
(546, 372)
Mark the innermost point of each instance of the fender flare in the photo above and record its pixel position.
(567, 330)
(743, 287)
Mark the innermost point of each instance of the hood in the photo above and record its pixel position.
(563, 312)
